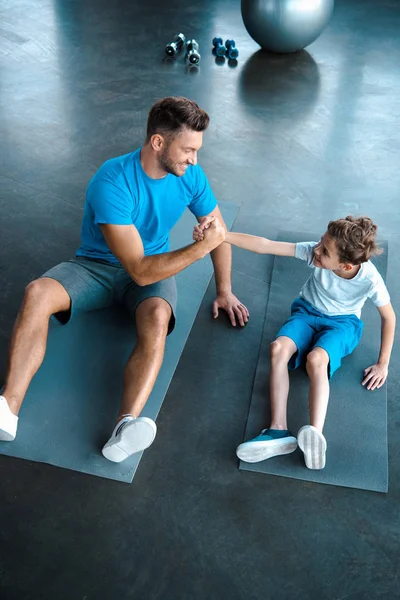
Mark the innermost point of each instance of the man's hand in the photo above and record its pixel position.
(214, 235)
(375, 376)
(234, 308)
(236, 311)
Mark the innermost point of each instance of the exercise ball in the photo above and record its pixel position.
(285, 25)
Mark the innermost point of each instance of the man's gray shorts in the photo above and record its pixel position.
(92, 284)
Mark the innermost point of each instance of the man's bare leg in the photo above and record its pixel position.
(42, 298)
(133, 433)
(152, 319)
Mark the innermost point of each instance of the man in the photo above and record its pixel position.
(132, 203)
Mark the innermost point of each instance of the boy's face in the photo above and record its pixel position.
(326, 256)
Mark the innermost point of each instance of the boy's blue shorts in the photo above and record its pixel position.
(309, 329)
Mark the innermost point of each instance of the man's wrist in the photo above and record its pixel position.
(224, 290)
(202, 248)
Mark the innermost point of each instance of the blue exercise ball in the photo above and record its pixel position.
(285, 25)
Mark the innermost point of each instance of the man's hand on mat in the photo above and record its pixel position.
(235, 309)
(375, 376)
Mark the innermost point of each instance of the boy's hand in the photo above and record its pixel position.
(198, 231)
(375, 376)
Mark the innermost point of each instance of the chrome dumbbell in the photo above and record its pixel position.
(193, 54)
(174, 47)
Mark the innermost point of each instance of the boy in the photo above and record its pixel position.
(324, 327)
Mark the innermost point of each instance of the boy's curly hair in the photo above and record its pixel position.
(355, 239)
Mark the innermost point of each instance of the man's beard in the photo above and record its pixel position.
(167, 164)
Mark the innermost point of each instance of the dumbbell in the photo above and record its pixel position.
(177, 42)
(219, 48)
(231, 51)
(193, 54)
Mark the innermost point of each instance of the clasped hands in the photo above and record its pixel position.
(210, 230)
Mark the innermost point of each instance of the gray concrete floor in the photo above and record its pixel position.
(296, 140)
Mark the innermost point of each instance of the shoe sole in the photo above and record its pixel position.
(135, 437)
(6, 437)
(253, 452)
(313, 445)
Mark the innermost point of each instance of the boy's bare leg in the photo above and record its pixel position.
(274, 443)
(317, 369)
(42, 298)
(282, 349)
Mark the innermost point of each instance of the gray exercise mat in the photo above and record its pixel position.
(356, 424)
(71, 405)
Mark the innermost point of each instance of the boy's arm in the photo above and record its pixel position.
(260, 245)
(375, 376)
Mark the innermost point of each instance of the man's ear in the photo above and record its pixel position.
(157, 142)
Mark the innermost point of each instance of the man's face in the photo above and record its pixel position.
(326, 256)
(181, 152)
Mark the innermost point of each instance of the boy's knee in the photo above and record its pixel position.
(279, 351)
(317, 359)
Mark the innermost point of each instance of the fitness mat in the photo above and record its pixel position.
(356, 423)
(70, 408)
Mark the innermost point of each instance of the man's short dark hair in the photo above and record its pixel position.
(170, 115)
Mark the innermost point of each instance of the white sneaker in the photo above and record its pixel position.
(8, 422)
(313, 445)
(130, 435)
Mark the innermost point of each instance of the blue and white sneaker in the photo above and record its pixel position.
(130, 435)
(270, 442)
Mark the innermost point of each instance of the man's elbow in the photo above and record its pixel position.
(138, 276)
(140, 279)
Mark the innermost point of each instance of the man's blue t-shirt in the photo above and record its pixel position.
(121, 193)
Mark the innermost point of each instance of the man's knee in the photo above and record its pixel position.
(281, 350)
(152, 317)
(46, 295)
(317, 359)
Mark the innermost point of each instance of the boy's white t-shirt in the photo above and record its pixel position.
(334, 295)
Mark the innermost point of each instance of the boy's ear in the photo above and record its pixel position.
(347, 266)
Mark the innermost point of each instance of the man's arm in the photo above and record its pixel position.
(376, 375)
(126, 244)
(221, 257)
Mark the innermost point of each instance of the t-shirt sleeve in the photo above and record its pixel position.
(111, 203)
(203, 202)
(305, 251)
(379, 293)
